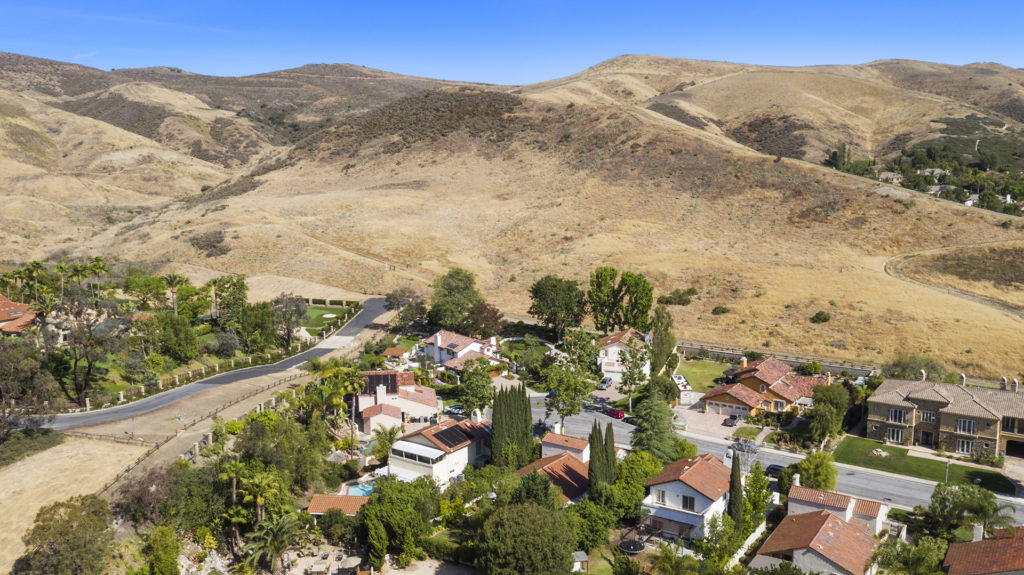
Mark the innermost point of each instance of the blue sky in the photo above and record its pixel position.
(512, 42)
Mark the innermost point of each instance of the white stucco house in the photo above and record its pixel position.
(685, 495)
(441, 452)
(610, 350)
(453, 350)
(392, 398)
(867, 514)
(555, 443)
(818, 542)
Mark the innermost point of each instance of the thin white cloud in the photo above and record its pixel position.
(78, 57)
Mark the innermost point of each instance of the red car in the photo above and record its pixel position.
(616, 413)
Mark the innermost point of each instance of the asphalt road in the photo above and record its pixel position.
(856, 481)
(372, 309)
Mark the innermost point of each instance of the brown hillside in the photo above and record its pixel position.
(599, 168)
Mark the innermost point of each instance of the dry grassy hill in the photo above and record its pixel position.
(644, 163)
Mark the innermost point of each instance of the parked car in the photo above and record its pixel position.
(731, 421)
(774, 470)
(605, 382)
(455, 409)
(616, 413)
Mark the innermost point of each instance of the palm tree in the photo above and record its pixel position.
(233, 470)
(258, 489)
(46, 304)
(343, 379)
(79, 272)
(384, 438)
(62, 270)
(175, 281)
(669, 561)
(992, 516)
(236, 515)
(98, 267)
(895, 557)
(18, 275)
(270, 539)
(33, 270)
(6, 280)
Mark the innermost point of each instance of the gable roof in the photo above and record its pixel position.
(419, 394)
(577, 443)
(15, 317)
(455, 342)
(738, 391)
(846, 545)
(627, 337)
(867, 507)
(768, 370)
(453, 434)
(819, 497)
(388, 409)
(793, 386)
(457, 363)
(565, 472)
(348, 504)
(394, 352)
(706, 474)
(1003, 552)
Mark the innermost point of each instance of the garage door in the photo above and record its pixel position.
(725, 408)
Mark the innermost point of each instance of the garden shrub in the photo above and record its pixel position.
(318, 301)
(337, 302)
(719, 310)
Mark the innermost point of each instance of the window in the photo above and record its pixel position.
(779, 405)
(659, 496)
(1008, 424)
(928, 416)
(763, 388)
(897, 415)
(964, 446)
(966, 426)
(895, 435)
(688, 503)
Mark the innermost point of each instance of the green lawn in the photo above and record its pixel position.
(315, 319)
(701, 373)
(746, 433)
(407, 342)
(857, 451)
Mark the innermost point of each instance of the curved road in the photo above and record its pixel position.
(372, 309)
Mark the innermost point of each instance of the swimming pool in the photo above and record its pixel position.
(363, 489)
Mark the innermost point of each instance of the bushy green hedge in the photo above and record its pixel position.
(318, 301)
(203, 329)
(338, 302)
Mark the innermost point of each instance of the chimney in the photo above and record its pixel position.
(381, 394)
(924, 375)
(743, 362)
(475, 417)
(1002, 383)
(796, 479)
(979, 532)
(494, 340)
(1016, 386)
(437, 340)
(828, 378)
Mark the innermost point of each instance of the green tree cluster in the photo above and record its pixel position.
(72, 536)
(619, 301)
(558, 303)
(525, 538)
(602, 455)
(512, 428)
(454, 294)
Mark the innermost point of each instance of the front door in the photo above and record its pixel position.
(926, 438)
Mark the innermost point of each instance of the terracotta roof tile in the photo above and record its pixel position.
(15, 317)
(453, 341)
(867, 507)
(819, 497)
(565, 472)
(704, 473)
(577, 443)
(348, 504)
(395, 352)
(457, 363)
(842, 543)
(1004, 552)
(738, 391)
(626, 336)
(419, 394)
(382, 408)
(767, 370)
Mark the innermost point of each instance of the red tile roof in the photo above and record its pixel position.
(819, 497)
(565, 472)
(793, 387)
(382, 408)
(1001, 553)
(845, 545)
(15, 317)
(577, 443)
(705, 473)
(738, 391)
(777, 376)
(867, 507)
(470, 432)
(626, 336)
(767, 370)
(457, 363)
(348, 504)
(395, 352)
(453, 341)
(419, 394)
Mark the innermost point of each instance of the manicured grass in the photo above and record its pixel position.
(701, 373)
(315, 320)
(407, 342)
(19, 444)
(857, 451)
(746, 433)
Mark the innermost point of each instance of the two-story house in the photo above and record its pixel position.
(611, 352)
(453, 350)
(957, 418)
(765, 385)
(867, 514)
(440, 451)
(566, 472)
(818, 542)
(392, 398)
(555, 443)
(685, 495)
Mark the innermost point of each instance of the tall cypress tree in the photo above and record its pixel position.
(523, 423)
(736, 492)
(609, 454)
(597, 457)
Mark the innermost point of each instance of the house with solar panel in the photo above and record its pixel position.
(440, 452)
(392, 398)
(453, 350)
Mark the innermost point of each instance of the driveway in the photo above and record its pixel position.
(372, 309)
(708, 424)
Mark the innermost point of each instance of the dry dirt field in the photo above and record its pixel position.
(75, 467)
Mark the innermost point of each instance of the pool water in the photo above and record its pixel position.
(363, 489)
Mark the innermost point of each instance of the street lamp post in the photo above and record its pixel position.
(948, 461)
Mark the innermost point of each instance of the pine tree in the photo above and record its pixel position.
(521, 423)
(502, 442)
(377, 540)
(736, 493)
(597, 456)
(609, 454)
